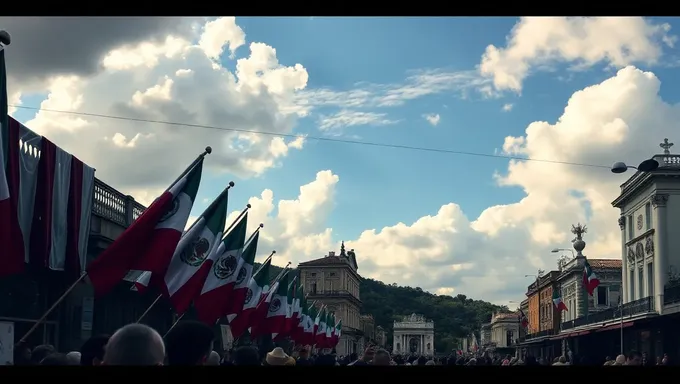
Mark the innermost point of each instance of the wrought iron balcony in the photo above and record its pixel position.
(637, 307)
(110, 204)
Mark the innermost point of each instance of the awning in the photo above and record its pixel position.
(616, 326)
(570, 334)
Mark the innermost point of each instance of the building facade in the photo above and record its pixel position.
(414, 334)
(333, 281)
(549, 317)
(380, 337)
(504, 329)
(533, 312)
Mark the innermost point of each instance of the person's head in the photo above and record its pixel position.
(303, 353)
(422, 360)
(620, 360)
(135, 344)
(277, 357)
(55, 359)
(40, 352)
(353, 356)
(189, 343)
(430, 362)
(562, 359)
(92, 351)
(381, 357)
(634, 358)
(22, 354)
(246, 356)
(664, 360)
(73, 358)
(369, 352)
(213, 359)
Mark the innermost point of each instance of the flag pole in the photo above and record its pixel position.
(265, 260)
(238, 218)
(174, 324)
(250, 238)
(231, 184)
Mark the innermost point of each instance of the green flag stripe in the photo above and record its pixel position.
(237, 237)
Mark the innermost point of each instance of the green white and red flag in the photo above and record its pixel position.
(228, 270)
(276, 306)
(241, 321)
(150, 242)
(337, 332)
(590, 279)
(320, 336)
(557, 301)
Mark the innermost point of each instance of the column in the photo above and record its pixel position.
(624, 261)
(660, 253)
(422, 345)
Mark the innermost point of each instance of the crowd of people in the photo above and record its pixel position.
(191, 343)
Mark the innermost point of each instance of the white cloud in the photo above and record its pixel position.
(539, 42)
(432, 118)
(488, 256)
(347, 118)
(172, 79)
(507, 107)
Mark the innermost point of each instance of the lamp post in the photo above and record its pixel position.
(648, 165)
(555, 250)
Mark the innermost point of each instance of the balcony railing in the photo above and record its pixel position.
(637, 307)
(337, 293)
(535, 335)
(112, 205)
(671, 295)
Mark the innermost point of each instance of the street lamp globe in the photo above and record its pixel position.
(619, 167)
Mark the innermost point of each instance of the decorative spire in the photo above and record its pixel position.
(579, 244)
(342, 249)
(666, 147)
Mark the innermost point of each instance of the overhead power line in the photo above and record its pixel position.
(317, 138)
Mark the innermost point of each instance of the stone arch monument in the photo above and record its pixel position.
(413, 335)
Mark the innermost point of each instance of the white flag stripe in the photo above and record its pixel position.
(86, 202)
(28, 181)
(60, 191)
(179, 272)
(212, 281)
(179, 220)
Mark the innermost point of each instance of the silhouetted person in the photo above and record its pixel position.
(55, 359)
(189, 343)
(135, 344)
(40, 352)
(246, 355)
(92, 351)
(22, 354)
(382, 357)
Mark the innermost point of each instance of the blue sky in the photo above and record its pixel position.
(588, 88)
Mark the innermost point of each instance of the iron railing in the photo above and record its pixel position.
(535, 335)
(671, 295)
(110, 204)
(637, 307)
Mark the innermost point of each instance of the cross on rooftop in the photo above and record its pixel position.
(666, 147)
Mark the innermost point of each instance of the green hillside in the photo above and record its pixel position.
(454, 317)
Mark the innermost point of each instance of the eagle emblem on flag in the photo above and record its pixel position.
(241, 275)
(249, 296)
(225, 267)
(171, 212)
(275, 305)
(196, 252)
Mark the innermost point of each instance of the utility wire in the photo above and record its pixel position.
(317, 138)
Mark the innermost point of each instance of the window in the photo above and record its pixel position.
(648, 216)
(314, 288)
(631, 285)
(332, 274)
(602, 295)
(630, 227)
(641, 284)
(650, 280)
(508, 338)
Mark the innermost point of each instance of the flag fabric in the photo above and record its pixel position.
(523, 319)
(310, 325)
(297, 333)
(330, 327)
(337, 333)
(274, 309)
(227, 270)
(320, 336)
(193, 259)
(590, 279)
(557, 301)
(240, 321)
(291, 314)
(150, 242)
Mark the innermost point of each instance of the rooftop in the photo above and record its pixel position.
(604, 263)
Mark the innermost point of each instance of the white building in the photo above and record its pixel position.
(650, 212)
(504, 329)
(414, 334)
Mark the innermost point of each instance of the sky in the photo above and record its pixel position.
(394, 135)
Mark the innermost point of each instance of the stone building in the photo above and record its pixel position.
(485, 335)
(414, 334)
(504, 329)
(380, 337)
(333, 280)
(368, 326)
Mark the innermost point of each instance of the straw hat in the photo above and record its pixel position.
(291, 361)
(277, 357)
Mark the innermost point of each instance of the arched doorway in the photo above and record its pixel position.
(413, 345)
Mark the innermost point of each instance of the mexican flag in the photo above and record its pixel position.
(298, 332)
(276, 306)
(150, 242)
(590, 279)
(310, 325)
(228, 269)
(337, 333)
(296, 317)
(195, 254)
(330, 327)
(235, 304)
(557, 301)
(239, 322)
(291, 315)
(320, 336)
(317, 321)
(524, 321)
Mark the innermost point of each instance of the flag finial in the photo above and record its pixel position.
(5, 38)
(208, 149)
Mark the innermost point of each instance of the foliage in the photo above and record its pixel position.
(454, 317)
